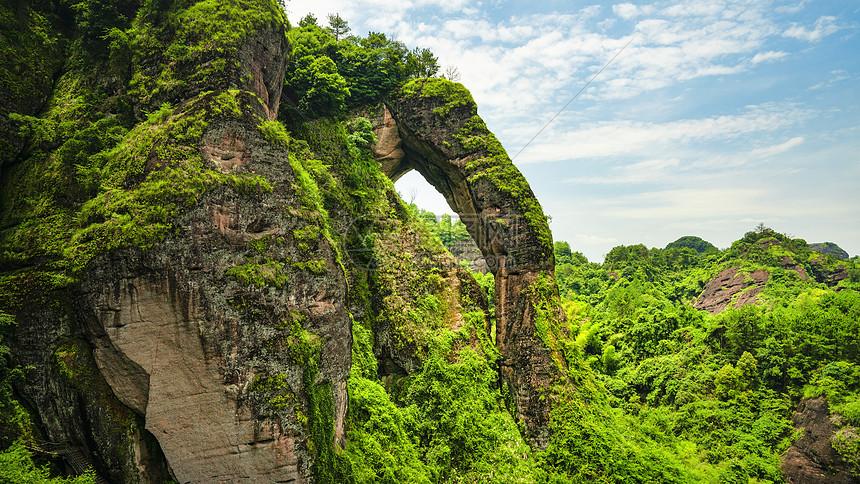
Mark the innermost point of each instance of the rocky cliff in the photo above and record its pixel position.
(204, 283)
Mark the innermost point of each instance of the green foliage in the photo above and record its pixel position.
(463, 430)
(448, 231)
(692, 242)
(16, 465)
(372, 67)
(361, 132)
(722, 387)
(422, 63)
(593, 442)
(324, 90)
(266, 274)
(378, 446)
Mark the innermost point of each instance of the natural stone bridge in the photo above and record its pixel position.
(433, 127)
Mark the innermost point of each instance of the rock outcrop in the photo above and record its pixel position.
(197, 340)
(186, 276)
(812, 459)
(731, 288)
(831, 249)
(444, 139)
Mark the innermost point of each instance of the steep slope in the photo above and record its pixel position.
(445, 140)
(201, 294)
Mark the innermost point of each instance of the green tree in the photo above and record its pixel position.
(727, 381)
(562, 252)
(308, 21)
(338, 26)
(323, 90)
(692, 242)
(422, 63)
(610, 359)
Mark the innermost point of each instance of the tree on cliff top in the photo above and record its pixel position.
(338, 26)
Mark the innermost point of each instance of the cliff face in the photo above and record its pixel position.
(444, 139)
(187, 301)
(200, 293)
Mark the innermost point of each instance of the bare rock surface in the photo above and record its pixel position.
(731, 288)
(204, 433)
(812, 459)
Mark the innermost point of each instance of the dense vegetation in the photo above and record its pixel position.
(723, 387)
(679, 394)
(333, 72)
(661, 391)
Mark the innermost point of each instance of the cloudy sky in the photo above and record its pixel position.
(718, 115)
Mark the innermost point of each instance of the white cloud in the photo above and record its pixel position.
(823, 27)
(640, 172)
(791, 8)
(631, 138)
(629, 11)
(768, 56)
(837, 76)
(779, 148)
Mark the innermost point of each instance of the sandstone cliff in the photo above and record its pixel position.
(199, 290)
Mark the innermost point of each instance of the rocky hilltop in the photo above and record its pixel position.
(204, 281)
(206, 275)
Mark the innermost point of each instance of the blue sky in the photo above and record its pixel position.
(719, 115)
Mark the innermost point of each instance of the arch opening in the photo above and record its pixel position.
(450, 147)
(416, 190)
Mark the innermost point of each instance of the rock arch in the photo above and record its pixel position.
(433, 127)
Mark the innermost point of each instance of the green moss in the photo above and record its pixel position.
(270, 273)
(275, 133)
(66, 356)
(330, 465)
(306, 236)
(305, 349)
(364, 362)
(275, 391)
(452, 94)
(846, 442)
(495, 167)
(315, 266)
(204, 42)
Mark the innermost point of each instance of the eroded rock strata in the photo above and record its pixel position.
(187, 287)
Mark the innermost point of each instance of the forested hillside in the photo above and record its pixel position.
(714, 395)
(207, 275)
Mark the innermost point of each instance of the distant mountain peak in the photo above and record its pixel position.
(830, 248)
